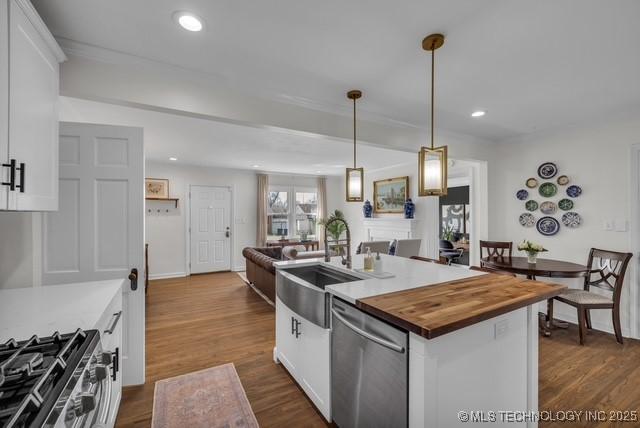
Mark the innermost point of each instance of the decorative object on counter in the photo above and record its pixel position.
(548, 189)
(368, 260)
(548, 226)
(532, 183)
(563, 180)
(355, 175)
(532, 249)
(548, 208)
(531, 205)
(547, 170)
(367, 209)
(432, 161)
(527, 220)
(565, 204)
(571, 219)
(390, 195)
(574, 191)
(409, 208)
(156, 188)
(335, 228)
(522, 194)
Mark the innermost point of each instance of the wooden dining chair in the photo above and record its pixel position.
(496, 250)
(607, 272)
(489, 270)
(427, 259)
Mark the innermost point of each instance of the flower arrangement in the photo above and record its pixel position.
(532, 249)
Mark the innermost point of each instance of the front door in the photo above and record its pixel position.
(210, 228)
(98, 231)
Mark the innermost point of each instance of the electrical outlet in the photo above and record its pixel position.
(501, 328)
(620, 225)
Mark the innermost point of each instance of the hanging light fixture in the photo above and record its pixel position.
(355, 176)
(432, 161)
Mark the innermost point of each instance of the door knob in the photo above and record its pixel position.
(133, 277)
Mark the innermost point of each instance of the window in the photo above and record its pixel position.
(296, 220)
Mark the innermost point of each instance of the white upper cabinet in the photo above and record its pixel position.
(29, 58)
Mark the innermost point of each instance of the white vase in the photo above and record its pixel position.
(532, 258)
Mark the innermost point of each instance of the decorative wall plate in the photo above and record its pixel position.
(522, 194)
(565, 204)
(532, 183)
(548, 207)
(563, 180)
(574, 191)
(527, 220)
(531, 205)
(548, 189)
(547, 170)
(548, 226)
(571, 219)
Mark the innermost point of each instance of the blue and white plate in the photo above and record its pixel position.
(527, 220)
(522, 194)
(547, 170)
(571, 219)
(574, 191)
(548, 226)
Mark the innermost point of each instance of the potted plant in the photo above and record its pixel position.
(532, 249)
(335, 229)
(448, 233)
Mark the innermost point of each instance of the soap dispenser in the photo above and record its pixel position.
(368, 261)
(377, 265)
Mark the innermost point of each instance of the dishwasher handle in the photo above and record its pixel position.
(366, 335)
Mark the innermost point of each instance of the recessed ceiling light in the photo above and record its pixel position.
(173, 159)
(255, 166)
(478, 113)
(188, 21)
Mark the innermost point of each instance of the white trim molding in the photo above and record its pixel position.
(41, 28)
(378, 228)
(634, 241)
(167, 275)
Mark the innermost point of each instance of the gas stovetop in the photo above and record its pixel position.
(34, 373)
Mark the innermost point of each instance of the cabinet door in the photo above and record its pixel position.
(33, 114)
(316, 374)
(286, 343)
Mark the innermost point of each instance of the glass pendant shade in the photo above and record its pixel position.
(432, 171)
(355, 188)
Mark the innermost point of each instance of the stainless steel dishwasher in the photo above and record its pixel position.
(369, 370)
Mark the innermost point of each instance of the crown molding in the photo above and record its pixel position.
(41, 28)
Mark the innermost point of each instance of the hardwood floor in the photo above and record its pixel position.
(206, 320)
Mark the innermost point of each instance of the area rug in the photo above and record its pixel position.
(207, 398)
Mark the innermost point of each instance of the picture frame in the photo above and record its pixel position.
(390, 195)
(156, 188)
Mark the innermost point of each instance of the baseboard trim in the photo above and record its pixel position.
(607, 328)
(168, 275)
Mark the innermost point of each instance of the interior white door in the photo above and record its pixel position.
(210, 228)
(98, 231)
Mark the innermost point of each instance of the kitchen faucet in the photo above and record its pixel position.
(345, 261)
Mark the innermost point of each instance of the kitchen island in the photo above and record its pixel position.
(471, 341)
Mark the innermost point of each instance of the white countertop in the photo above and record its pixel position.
(46, 309)
(408, 274)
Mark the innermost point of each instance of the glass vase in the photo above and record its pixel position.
(532, 258)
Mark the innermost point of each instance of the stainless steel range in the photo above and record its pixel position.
(59, 381)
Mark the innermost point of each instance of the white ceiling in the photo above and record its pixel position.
(217, 144)
(533, 65)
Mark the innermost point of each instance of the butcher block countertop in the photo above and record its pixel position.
(434, 310)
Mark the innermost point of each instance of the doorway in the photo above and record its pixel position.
(210, 229)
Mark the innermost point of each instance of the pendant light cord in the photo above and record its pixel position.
(433, 53)
(354, 133)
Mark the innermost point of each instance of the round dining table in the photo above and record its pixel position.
(543, 267)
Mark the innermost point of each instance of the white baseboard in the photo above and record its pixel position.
(239, 268)
(600, 326)
(167, 275)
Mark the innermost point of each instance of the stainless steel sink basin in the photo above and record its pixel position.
(302, 290)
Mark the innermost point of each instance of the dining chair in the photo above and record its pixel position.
(449, 252)
(608, 268)
(407, 247)
(381, 247)
(496, 250)
(427, 259)
(489, 270)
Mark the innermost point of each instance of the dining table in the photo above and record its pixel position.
(548, 268)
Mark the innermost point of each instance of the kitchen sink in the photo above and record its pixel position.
(320, 276)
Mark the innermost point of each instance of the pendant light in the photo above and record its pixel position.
(355, 176)
(432, 161)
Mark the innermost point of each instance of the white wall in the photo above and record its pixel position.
(595, 157)
(166, 233)
(17, 258)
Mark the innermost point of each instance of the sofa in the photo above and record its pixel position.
(260, 269)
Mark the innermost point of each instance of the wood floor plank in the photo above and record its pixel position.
(207, 320)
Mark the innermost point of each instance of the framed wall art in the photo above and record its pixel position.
(390, 195)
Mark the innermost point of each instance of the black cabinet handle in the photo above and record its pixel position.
(115, 368)
(22, 172)
(12, 174)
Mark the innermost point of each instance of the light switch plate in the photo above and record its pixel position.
(620, 225)
(607, 224)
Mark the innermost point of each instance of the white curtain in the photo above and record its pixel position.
(263, 192)
(322, 207)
